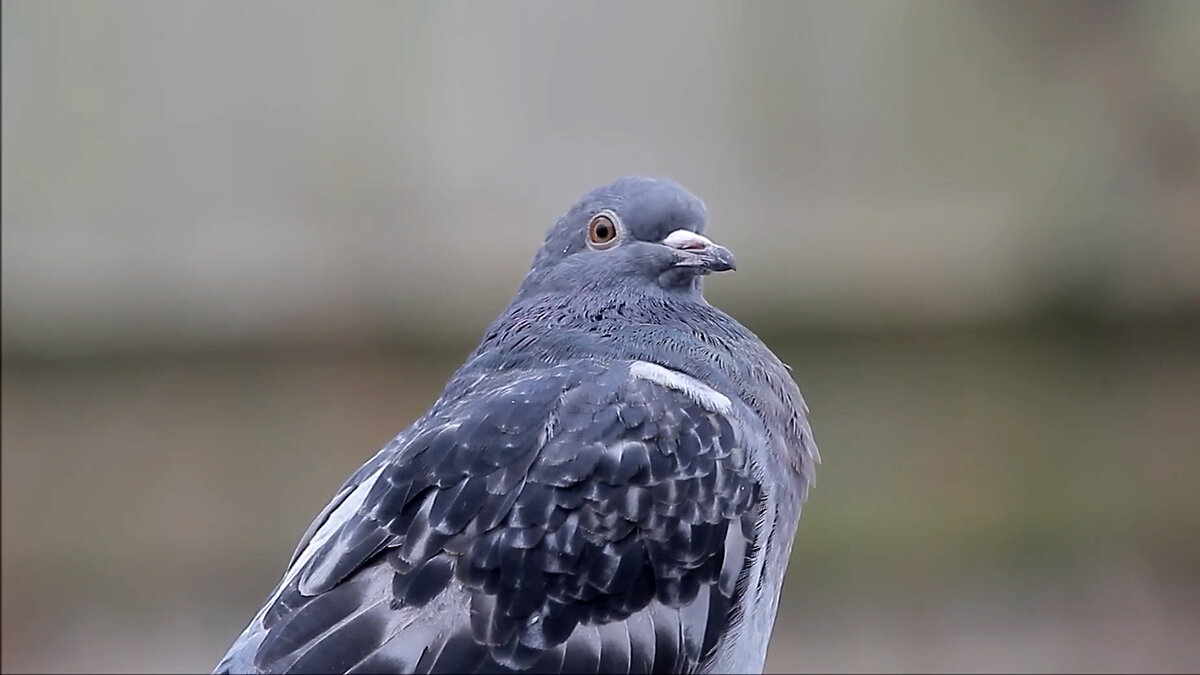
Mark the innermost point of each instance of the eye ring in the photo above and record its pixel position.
(603, 230)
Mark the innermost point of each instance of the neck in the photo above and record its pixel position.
(674, 328)
(680, 331)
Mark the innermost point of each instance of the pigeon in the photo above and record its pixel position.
(610, 483)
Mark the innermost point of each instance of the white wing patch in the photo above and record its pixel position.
(694, 389)
(332, 524)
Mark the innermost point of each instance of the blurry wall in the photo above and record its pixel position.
(205, 173)
(244, 243)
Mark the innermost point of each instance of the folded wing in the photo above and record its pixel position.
(573, 519)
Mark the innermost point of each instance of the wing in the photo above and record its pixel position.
(575, 519)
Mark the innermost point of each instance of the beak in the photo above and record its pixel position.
(697, 250)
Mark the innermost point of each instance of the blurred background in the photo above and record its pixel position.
(244, 244)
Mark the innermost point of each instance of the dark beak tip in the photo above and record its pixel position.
(723, 260)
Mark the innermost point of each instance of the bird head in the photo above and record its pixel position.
(644, 233)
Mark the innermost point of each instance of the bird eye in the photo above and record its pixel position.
(602, 231)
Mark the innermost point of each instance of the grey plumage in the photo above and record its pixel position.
(610, 482)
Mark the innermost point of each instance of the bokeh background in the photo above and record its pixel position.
(246, 243)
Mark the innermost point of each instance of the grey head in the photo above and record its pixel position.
(619, 277)
(636, 234)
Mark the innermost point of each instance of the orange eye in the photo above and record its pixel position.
(602, 231)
